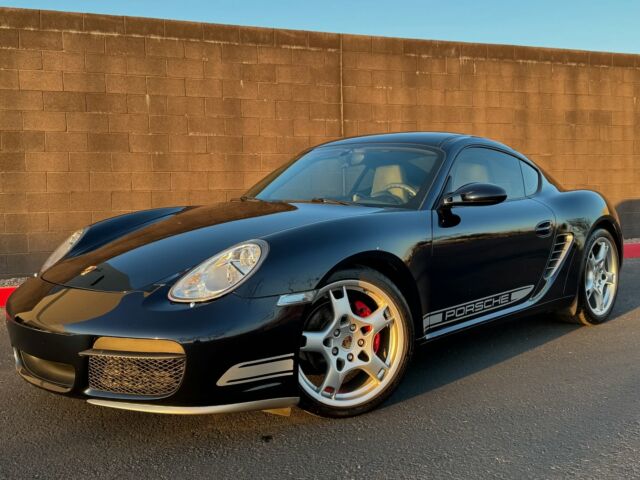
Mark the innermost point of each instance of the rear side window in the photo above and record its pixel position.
(483, 165)
(531, 178)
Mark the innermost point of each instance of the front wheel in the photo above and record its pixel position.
(357, 341)
(599, 282)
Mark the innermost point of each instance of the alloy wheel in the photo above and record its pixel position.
(601, 276)
(353, 344)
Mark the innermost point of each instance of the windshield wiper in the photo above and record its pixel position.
(329, 200)
(246, 198)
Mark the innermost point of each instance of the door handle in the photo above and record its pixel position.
(544, 228)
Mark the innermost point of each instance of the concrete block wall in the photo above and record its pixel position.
(102, 115)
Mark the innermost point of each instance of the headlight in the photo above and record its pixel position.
(221, 273)
(62, 250)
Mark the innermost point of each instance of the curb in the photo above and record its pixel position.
(631, 250)
(4, 294)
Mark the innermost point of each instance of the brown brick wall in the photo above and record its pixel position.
(102, 115)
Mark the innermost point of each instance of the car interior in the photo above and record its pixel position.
(371, 175)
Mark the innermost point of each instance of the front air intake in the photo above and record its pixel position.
(148, 375)
(561, 247)
(55, 376)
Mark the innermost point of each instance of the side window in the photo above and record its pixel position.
(531, 178)
(484, 165)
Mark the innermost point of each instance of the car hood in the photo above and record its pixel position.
(159, 252)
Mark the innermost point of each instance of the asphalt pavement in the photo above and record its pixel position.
(528, 398)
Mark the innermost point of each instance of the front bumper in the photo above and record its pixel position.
(239, 353)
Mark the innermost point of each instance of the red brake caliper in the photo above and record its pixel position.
(363, 311)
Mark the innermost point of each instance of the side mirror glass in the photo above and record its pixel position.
(473, 194)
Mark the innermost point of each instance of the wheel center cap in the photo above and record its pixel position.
(347, 342)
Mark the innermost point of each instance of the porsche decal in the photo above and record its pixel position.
(255, 370)
(475, 307)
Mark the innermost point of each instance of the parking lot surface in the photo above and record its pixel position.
(529, 398)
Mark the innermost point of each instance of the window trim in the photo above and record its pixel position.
(538, 186)
(444, 191)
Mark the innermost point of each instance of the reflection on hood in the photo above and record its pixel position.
(172, 245)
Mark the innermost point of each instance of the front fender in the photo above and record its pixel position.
(300, 258)
(104, 231)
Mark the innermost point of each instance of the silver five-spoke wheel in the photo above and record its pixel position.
(601, 276)
(353, 344)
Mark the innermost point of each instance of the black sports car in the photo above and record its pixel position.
(316, 285)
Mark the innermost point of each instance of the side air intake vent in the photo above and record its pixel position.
(558, 254)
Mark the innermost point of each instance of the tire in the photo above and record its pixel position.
(587, 311)
(354, 353)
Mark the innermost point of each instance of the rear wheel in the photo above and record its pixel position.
(599, 283)
(357, 341)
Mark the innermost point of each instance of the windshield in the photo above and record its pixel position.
(386, 175)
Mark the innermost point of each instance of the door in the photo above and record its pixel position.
(488, 257)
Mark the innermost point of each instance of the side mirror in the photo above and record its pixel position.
(475, 194)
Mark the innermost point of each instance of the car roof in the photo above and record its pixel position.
(443, 140)
(434, 139)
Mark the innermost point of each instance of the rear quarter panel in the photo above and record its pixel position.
(581, 212)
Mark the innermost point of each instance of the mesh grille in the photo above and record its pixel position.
(136, 375)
